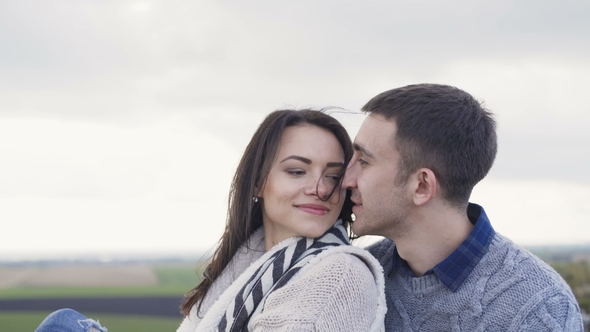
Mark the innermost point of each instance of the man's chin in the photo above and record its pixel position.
(357, 228)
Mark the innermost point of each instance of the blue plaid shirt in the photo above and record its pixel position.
(458, 265)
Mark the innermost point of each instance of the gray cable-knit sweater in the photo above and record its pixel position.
(509, 290)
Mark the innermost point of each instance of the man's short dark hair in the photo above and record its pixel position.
(442, 128)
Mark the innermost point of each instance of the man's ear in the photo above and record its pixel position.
(424, 186)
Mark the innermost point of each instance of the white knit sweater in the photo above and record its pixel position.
(341, 289)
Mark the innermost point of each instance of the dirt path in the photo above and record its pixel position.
(146, 306)
(87, 275)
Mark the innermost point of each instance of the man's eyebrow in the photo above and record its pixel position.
(362, 149)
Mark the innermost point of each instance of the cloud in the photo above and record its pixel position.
(42, 227)
(105, 58)
(168, 158)
(134, 108)
(68, 187)
(533, 212)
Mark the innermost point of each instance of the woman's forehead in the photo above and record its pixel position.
(310, 141)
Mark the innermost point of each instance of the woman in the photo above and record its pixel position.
(284, 263)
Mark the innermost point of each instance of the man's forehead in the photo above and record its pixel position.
(376, 127)
(375, 134)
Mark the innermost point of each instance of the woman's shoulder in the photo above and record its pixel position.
(345, 273)
(346, 259)
(339, 286)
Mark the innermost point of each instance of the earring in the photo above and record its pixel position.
(255, 199)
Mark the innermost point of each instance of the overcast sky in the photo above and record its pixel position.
(121, 122)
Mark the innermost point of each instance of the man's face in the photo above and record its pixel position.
(381, 207)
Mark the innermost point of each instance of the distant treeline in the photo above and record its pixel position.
(195, 258)
(561, 253)
(573, 264)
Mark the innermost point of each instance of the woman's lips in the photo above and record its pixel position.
(315, 209)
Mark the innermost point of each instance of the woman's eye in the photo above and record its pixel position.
(296, 172)
(333, 180)
(362, 161)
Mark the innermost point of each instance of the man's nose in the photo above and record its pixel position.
(349, 180)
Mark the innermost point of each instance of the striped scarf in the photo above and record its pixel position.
(274, 273)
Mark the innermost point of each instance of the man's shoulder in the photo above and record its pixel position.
(382, 250)
(513, 256)
(509, 264)
(510, 277)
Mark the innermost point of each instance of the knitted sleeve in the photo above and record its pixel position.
(538, 298)
(338, 293)
(550, 310)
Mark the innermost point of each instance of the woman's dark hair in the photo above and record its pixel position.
(244, 215)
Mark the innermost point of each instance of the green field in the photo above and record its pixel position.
(173, 280)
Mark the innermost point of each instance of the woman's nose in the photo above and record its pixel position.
(318, 187)
(323, 189)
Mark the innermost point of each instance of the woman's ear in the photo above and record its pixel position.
(425, 186)
(258, 191)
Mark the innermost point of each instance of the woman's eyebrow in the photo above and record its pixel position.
(303, 159)
(335, 164)
(308, 161)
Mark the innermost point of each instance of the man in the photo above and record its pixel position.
(418, 155)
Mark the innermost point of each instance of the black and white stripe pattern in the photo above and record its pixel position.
(274, 274)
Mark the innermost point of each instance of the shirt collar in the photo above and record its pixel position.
(454, 269)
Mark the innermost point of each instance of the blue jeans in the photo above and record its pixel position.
(68, 320)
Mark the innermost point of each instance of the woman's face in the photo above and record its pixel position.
(290, 202)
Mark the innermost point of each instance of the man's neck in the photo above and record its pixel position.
(434, 235)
